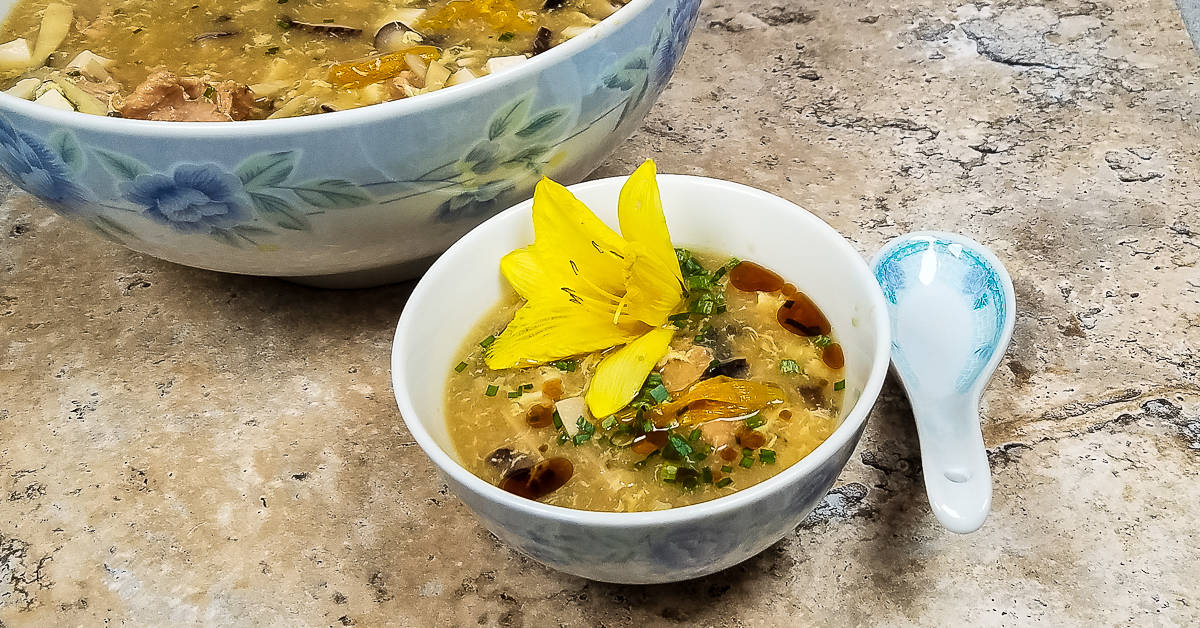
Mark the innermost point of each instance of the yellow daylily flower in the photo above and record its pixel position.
(588, 289)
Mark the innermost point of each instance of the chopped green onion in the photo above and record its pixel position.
(659, 393)
(755, 420)
(563, 438)
(609, 422)
(679, 320)
(766, 456)
(525, 387)
(647, 426)
(272, 50)
(586, 429)
(506, 37)
(726, 469)
(841, 385)
(681, 447)
(706, 475)
(668, 472)
(704, 305)
(723, 482)
(557, 420)
(789, 366)
(695, 434)
(822, 341)
(462, 366)
(487, 342)
(746, 451)
(491, 391)
(514, 394)
(566, 365)
(699, 282)
(747, 462)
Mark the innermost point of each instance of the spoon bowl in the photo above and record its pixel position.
(951, 305)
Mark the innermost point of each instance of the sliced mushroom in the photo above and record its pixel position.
(541, 41)
(333, 30)
(396, 36)
(736, 368)
(506, 461)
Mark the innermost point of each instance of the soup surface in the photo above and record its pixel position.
(744, 333)
(225, 60)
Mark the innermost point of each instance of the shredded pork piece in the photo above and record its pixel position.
(682, 369)
(164, 96)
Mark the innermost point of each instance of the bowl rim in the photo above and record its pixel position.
(365, 115)
(845, 431)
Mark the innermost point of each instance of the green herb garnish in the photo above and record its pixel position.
(695, 435)
(706, 475)
(487, 342)
(840, 385)
(525, 387)
(506, 37)
(789, 367)
(668, 472)
(766, 456)
(272, 50)
(557, 420)
(492, 390)
(586, 429)
(723, 482)
(822, 341)
(566, 365)
(284, 24)
(609, 423)
(514, 394)
(681, 446)
(659, 393)
(726, 469)
(462, 366)
(747, 462)
(755, 420)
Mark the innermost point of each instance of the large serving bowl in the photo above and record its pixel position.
(356, 197)
(681, 543)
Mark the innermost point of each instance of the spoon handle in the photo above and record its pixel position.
(958, 479)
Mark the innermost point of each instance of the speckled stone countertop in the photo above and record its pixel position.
(179, 447)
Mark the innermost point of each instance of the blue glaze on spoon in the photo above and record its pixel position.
(952, 306)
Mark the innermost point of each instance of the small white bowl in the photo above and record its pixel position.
(681, 543)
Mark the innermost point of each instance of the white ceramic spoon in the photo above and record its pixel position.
(952, 306)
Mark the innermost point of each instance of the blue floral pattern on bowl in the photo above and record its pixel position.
(325, 199)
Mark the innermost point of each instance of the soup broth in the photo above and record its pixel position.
(281, 57)
(508, 426)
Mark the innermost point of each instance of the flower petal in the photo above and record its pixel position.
(642, 221)
(568, 233)
(543, 331)
(619, 376)
(653, 293)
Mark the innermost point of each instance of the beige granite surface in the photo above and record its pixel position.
(179, 447)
